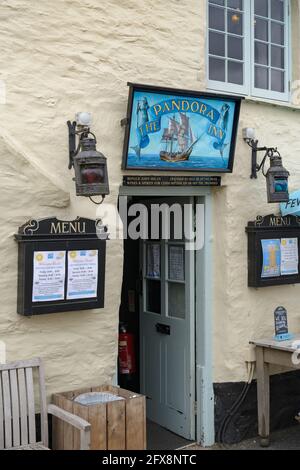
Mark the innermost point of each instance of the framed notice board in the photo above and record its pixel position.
(61, 266)
(273, 251)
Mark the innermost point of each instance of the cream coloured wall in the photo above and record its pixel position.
(242, 313)
(64, 56)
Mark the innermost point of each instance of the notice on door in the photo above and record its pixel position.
(176, 263)
(82, 274)
(49, 270)
(153, 260)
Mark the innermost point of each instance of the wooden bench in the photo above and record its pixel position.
(18, 408)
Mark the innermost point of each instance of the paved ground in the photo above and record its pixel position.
(288, 439)
(161, 439)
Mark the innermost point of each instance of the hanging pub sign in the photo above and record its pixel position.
(273, 251)
(61, 265)
(170, 129)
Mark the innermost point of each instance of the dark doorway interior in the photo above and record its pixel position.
(129, 309)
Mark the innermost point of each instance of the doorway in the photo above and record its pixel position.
(167, 321)
(159, 308)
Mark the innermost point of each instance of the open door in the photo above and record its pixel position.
(167, 323)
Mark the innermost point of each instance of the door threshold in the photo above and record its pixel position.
(159, 438)
(192, 446)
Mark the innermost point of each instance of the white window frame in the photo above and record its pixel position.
(248, 89)
(270, 94)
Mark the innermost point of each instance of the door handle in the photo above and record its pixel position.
(163, 329)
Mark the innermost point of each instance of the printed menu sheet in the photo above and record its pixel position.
(289, 256)
(280, 257)
(49, 270)
(271, 258)
(82, 274)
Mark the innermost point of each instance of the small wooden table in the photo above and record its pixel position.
(269, 351)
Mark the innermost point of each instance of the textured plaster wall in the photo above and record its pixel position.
(79, 347)
(62, 56)
(242, 313)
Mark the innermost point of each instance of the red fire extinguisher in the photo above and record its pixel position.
(127, 363)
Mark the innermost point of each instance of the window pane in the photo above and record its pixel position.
(277, 57)
(261, 53)
(277, 33)
(153, 296)
(217, 2)
(176, 263)
(153, 260)
(277, 80)
(269, 46)
(261, 29)
(217, 18)
(176, 300)
(236, 4)
(235, 48)
(235, 23)
(261, 78)
(277, 10)
(217, 44)
(235, 73)
(261, 8)
(217, 69)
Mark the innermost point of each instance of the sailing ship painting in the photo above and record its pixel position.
(176, 132)
(178, 140)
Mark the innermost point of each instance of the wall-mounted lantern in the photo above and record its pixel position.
(276, 176)
(91, 178)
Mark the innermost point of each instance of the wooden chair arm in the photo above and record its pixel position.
(76, 421)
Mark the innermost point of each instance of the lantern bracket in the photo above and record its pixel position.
(255, 166)
(72, 142)
(82, 132)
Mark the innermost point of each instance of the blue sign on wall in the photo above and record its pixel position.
(178, 130)
(293, 206)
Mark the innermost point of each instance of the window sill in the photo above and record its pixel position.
(281, 104)
(253, 99)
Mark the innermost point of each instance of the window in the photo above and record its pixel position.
(248, 47)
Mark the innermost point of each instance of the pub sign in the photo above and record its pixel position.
(169, 129)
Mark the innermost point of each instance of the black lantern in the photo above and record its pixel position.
(277, 181)
(276, 176)
(91, 178)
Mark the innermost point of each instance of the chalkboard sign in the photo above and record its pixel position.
(281, 321)
(281, 325)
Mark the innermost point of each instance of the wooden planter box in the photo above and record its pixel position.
(117, 425)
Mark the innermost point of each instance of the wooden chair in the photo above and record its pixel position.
(17, 409)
